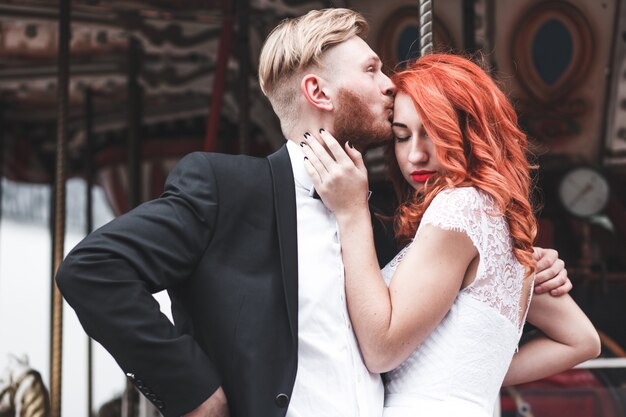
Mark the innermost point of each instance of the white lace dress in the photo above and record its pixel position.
(459, 368)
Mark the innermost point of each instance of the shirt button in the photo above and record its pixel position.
(282, 400)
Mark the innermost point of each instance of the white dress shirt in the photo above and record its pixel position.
(332, 380)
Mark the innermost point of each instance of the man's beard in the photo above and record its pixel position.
(355, 122)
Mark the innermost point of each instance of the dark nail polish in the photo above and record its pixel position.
(306, 159)
(321, 130)
(306, 135)
(350, 144)
(302, 144)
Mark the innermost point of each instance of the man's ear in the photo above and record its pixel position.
(314, 90)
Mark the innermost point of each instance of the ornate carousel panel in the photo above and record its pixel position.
(553, 56)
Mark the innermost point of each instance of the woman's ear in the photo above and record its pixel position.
(314, 90)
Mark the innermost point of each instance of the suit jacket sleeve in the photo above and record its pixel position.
(109, 277)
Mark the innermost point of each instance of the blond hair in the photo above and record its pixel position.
(296, 44)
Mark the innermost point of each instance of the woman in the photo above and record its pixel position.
(447, 325)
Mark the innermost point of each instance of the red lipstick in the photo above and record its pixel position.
(421, 175)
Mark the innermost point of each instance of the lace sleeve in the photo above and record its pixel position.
(458, 209)
(499, 277)
(452, 209)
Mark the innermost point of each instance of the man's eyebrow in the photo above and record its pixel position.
(374, 58)
(398, 124)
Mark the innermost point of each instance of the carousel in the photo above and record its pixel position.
(114, 93)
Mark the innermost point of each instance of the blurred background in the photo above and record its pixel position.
(99, 99)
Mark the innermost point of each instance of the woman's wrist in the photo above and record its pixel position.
(354, 214)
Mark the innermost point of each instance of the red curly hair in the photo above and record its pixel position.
(474, 128)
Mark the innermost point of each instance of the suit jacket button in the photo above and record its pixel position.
(160, 404)
(282, 400)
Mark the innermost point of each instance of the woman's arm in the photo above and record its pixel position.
(568, 338)
(389, 322)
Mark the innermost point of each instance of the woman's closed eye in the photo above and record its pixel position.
(400, 132)
(401, 138)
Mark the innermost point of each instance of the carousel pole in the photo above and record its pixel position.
(220, 79)
(89, 171)
(134, 122)
(243, 49)
(130, 399)
(58, 233)
(426, 27)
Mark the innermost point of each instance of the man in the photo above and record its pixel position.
(250, 258)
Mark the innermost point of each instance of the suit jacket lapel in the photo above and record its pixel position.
(286, 220)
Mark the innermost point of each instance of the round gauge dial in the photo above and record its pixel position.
(584, 191)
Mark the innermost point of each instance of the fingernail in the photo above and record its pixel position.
(306, 159)
(306, 134)
(350, 144)
(321, 130)
(302, 144)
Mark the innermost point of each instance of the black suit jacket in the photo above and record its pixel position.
(222, 240)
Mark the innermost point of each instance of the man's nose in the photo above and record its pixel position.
(389, 87)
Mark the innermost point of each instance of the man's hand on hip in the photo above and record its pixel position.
(215, 406)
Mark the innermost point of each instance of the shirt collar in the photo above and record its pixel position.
(300, 175)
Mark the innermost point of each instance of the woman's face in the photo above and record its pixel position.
(415, 152)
